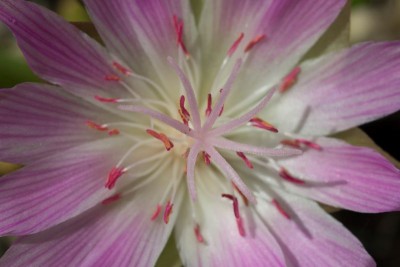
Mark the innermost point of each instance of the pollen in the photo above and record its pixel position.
(162, 137)
(235, 45)
(254, 41)
(112, 78)
(96, 126)
(113, 176)
(167, 212)
(289, 80)
(259, 123)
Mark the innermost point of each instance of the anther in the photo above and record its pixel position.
(96, 126)
(199, 237)
(112, 78)
(209, 104)
(222, 108)
(106, 100)
(113, 176)
(162, 137)
(244, 198)
(111, 199)
(207, 158)
(239, 223)
(122, 69)
(156, 212)
(167, 212)
(284, 174)
(235, 204)
(185, 115)
(259, 123)
(289, 80)
(113, 132)
(178, 24)
(280, 209)
(235, 45)
(292, 143)
(245, 159)
(309, 144)
(254, 41)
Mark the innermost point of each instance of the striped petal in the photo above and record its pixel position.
(56, 188)
(341, 90)
(39, 120)
(346, 176)
(57, 51)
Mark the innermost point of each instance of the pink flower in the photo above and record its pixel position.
(191, 125)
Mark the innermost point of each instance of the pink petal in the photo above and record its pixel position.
(143, 33)
(342, 175)
(290, 29)
(39, 120)
(312, 237)
(223, 245)
(118, 234)
(56, 188)
(341, 90)
(57, 51)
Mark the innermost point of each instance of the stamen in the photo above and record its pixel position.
(309, 144)
(223, 106)
(235, 45)
(290, 178)
(113, 132)
(280, 209)
(156, 213)
(239, 223)
(292, 143)
(183, 109)
(111, 199)
(167, 212)
(209, 104)
(113, 176)
(96, 126)
(199, 237)
(162, 137)
(112, 78)
(289, 80)
(245, 159)
(178, 25)
(207, 158)
(254, 41)
(244, 198)
(259, 123)
(235, 204)
(106, 100)
(122, 69)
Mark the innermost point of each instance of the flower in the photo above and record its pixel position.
(212, 127)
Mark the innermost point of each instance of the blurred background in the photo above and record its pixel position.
(370, 20)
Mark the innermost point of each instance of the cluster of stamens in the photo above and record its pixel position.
(205, 137)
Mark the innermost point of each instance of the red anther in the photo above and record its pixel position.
(255, 41)
(209, 104)
(244, 198)
(162, 137)
(121, 68)
(113, 176)
(96, 126)
(113, 132)
(235, 204)
(167, 212)
(112, 77)
(199, 237)
(207, 158)
(222, 109)
(259, 123)
(156, 212)
(245, 159)
(106, 100)
(292, 143)
(111, 199)
(183, 117)
(280, 209)
(239, 223)
(235, 45)
(309, 144)
(178, 25)
(185, 112)
(289, 80)
(284, 174)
